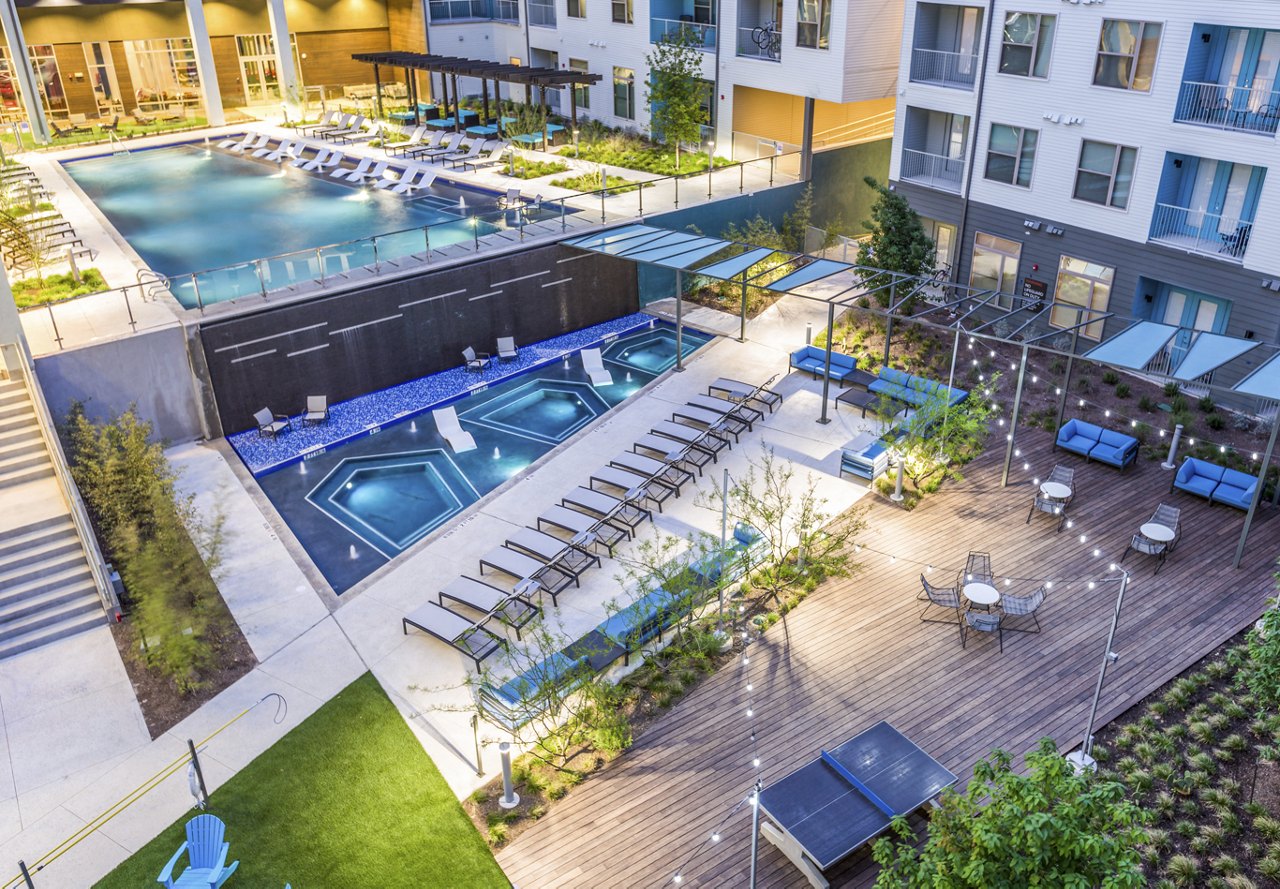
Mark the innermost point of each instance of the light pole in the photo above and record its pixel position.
(1083, 759)
(711, 164)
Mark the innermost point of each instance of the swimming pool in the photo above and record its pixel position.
(186, 209)
(357, 505)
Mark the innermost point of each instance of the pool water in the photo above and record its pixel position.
(358, 505)
(186, 209)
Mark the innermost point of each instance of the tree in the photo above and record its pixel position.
(939, 435)
(897, 243)
(676, 93)
(1262, 671)
(1050, 827)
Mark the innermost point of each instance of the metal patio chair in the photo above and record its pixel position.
(476, 361)
(1169, 517)
(940, 597)
(1054, 506)
(1022, 606)
(982, 622)
(977, 569)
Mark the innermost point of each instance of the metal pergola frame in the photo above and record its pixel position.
(663, 248)
(499, 72)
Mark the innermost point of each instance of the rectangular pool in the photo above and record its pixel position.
(186, 209)
(356, 506)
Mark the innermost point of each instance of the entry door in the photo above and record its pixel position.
(968, 42)
(1191, 312)
(258, 68)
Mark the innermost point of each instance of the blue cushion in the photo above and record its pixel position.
(1077, 444)
(745, 534)
(1240, 498)
(1238, 479)
(639, 621)
(1205, 469)
(1108, 454)
(551, 671)
(893, 375)
(1117, 440)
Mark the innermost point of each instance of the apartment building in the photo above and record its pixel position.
(761, 58)
(1115, 157)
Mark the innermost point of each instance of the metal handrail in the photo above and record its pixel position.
(67, 485)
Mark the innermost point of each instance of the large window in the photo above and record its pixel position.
(995, 266)
(542, 12)
(813, 24)
(624, 93)
(622, 12)
(162, 71)
(48, 78)
(1127, 54)
(581, 94)
(577, 9)
(1028, 44)
(1081, 283)
(1105, 173)
(102, 76)
(1011, 154)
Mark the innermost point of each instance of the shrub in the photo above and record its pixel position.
(1179, 404)
(1110, 377)
(1215, 421)
(1225, 865)
(1262, 673)
(1122, 390)
(1206, 404)
(1171, 389)
(1184, 870)
(1241, 422)
(1146, 403)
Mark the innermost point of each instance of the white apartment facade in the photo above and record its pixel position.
(1104, 155)
(760, 58)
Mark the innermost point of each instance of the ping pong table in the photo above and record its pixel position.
(848, 796)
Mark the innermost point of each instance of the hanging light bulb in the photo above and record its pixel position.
(1084, 539)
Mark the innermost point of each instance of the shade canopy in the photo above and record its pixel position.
(548, 78)
(1133, 347)
(1209, 352)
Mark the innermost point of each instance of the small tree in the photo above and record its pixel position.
(676, 90)
(940, 436)
(897, 242)
(1262, 670)
(1050, 827)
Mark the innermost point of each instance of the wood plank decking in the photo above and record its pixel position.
(855, 652)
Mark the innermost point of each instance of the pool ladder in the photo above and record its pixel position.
(117, 145)
(152, 284)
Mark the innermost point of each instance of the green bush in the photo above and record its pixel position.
(535, 169)
(1122, 390)
(1206, 404)
(1110, 377)
(1146, 403)
(1215, 421)
(37, 291)
(1171, 389)
(1262, 671)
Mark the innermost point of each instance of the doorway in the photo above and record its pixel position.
(258, 73)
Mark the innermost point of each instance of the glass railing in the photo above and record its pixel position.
(1229, 107)
(955, 69)
(936, 170)
(701, 36)
(1206, 234)
(760, 43)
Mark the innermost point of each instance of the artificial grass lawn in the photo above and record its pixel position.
(348, 798)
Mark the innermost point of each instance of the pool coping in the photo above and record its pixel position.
(630, 324)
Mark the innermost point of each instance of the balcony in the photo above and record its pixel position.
(933, 170)
(1206, 234)
(701, 36)
(761, 42)
(1228, 107)
(942, 68)
(472, 10)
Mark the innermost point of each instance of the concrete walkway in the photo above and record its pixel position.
(308, 653)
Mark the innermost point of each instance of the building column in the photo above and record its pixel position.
(11, 331)
(31, 100)
(199, 31)
(286, 74)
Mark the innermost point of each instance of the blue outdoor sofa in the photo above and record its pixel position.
(814, 360)
(1095, 443)
(1215, 483)
(912, 390)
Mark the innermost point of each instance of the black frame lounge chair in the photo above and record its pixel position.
(551, 579)
(716, 422)
(636, 486)
(566, 556)
(676, 454)
(609, 508)
(703, 439)
(575, 522)
(669, 473)
(476, 361)
(270, 425)
(471, 638)
(512, 608)
(740, 391)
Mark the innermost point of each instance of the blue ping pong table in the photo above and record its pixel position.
(826, 809)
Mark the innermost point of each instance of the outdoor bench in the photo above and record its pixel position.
(1215, 483)
(1095, 443)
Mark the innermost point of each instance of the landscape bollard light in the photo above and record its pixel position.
(1173, 449)
(510, 799)
(896, 497)
(808, 333)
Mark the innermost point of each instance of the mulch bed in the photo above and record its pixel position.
(163, 705)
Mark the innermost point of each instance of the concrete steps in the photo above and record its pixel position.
(47, 590)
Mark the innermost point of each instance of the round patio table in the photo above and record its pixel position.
(1156, 533)
(983, 594)
(1055, 490)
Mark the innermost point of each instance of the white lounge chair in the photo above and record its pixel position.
(326, 120)
(344, 121)
(360, 169)
(237, 144)
(302, 161)
(594, 366)
(257, 142)
(415, 139)
(289, 149)
(507, 348)
(460, 441)
(451, 143)
(371, 175)
(324, 161)
(411, 180)
(353, 127)
(371, 130)
(268, 149)
(429, 145)
(488, 159)
(459, 157)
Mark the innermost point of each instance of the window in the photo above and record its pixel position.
(1127, 55)
(622, 11)
(624, 93)
(995, 266)
(542, 12)
(1105, 173)
(1028, 44)
(48, 79)
(703, 12)
(161, 71)
(581, 94)
(102, 75)
(1011, 154)
(577, 9)
(813, 24)
(1081, 283)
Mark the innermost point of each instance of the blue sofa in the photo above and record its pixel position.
(912, 390)
(1215, 483)
(1095, 443)
(814, 360)
(509, 706)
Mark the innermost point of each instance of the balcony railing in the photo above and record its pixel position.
(461, 10)
(701, 36)
(1195, 231)
(955, 69)
(760, 43)
(935, 170)
(1226, 107)
(542, 14)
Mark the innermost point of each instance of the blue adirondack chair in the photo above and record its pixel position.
(207, 856)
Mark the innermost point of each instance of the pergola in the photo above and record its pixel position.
(1027, 323)
(452, 67)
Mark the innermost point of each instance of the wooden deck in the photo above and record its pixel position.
(855, 652)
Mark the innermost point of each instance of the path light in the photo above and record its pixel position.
(497, 454)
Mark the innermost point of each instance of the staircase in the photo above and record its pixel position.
(47, 590)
